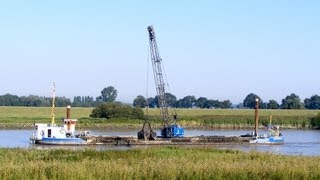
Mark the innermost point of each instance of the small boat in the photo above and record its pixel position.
(53, 134)
(274, 137)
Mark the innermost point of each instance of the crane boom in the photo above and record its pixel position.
(158, 77)
(169, 129)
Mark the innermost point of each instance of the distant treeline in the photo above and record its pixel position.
(291, 101)
(186, 102)
(109, 94)
(42, 101)
(14, 100)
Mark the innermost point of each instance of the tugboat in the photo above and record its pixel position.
(53, 134)
(274, 136)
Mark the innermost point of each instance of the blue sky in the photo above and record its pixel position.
(216, 49)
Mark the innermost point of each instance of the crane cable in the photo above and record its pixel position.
(147, 89)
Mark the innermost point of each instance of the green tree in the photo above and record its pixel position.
(62, 101)
(10, 100)
(179, 104)
(250, 101)
(88, 101)
(188, 101)
(263, 105)
(209, 104)
(171, 100)
(273, 104)
(201, 102)
(215, 103)
(31, 100)
(140, 101)
(226, 104)
(116, 110)
(291, 102)
(313, 102)
(108, 94)
(151, 102)
(77, 101)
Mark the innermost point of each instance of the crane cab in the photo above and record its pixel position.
(172, 131)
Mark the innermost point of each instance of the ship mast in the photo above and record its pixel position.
(53, 102)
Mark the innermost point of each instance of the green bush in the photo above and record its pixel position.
(117, 110)
(315, 121)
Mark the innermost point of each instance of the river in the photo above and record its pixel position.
(297, 142)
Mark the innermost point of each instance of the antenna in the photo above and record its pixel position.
(53, 102)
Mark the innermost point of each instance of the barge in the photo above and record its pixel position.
(80, 140)
(194, 140)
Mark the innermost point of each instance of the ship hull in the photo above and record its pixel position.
(60, 141)
(268, 140)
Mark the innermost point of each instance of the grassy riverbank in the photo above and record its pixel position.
(154, 163)
(25, 117)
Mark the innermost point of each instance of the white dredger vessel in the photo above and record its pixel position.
(54, 134)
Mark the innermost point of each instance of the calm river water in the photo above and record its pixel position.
(297, 142)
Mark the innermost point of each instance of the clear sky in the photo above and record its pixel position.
(216, 49)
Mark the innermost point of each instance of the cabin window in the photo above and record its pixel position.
(49, 132)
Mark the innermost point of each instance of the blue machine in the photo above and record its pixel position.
(172, 131)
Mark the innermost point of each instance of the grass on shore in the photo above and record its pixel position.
(209, 118)
(154, 163)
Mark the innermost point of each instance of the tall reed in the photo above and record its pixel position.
(154, 163)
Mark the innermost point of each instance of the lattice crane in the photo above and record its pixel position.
(170, 128)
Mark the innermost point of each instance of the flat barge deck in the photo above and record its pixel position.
(133, 141)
